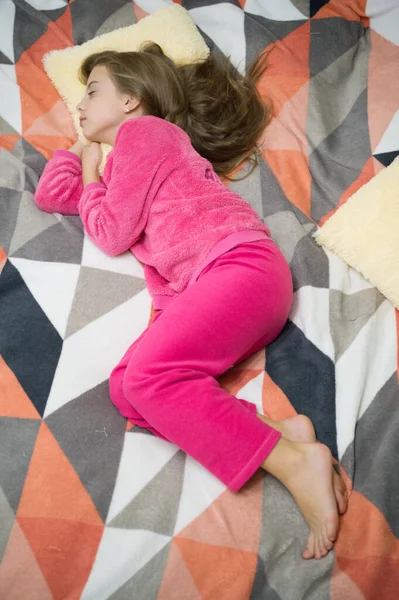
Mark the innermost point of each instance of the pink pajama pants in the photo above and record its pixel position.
(166, 381)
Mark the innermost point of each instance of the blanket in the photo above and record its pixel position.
(93, 508)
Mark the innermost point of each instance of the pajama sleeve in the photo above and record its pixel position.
(115, 215)
(60, 186)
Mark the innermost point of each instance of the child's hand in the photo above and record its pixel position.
(91, 157)
(77, 149)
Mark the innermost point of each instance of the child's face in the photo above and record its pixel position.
(103, 108)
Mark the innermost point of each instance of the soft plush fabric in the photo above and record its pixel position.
(364, 232)
(159, 198)
(171, 27)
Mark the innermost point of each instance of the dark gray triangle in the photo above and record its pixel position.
(349, 313)
(86, 21)
(62, 242)
(17, 440)
(310, 265)
(189, 4)
(376, 451)
(329, 39)
(338, 161)
(155, 508)
(109, 290)
(91, 433)
(386, 158)
(4, 60)
(260, 32)
(7, 518)
(55, 13)
(123, 17)
(260, 588)
(29, 25)
(32, 159)
(9, 208)
(146, 582)
(315, 6)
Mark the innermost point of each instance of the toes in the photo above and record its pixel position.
(310, 550)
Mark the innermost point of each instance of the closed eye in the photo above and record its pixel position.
(90, 93)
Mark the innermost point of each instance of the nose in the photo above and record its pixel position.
(79, 106)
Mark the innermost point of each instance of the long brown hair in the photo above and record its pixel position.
(220, 109)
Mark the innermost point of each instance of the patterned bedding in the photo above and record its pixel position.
(93, 508)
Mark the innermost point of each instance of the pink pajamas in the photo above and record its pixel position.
(166, 381)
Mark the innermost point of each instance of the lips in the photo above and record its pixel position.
(82, 119)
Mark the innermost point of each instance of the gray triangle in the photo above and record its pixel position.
(349, 313)
(86, 21)
(9, 207)
(329, 39)
(123, 17)
(289, 229)
(376, 451)
(309, 265)
(32, 159)
(4, 60)
(98, 292)
(147, 581)
(260, 587)
(7, 518)
(31, 221)
(91, 433)
(5, 128)
(17, 439)
(62, 242)
(155, 508)
(249, 188)
(339, 159)
(12, 174)
(302, 6)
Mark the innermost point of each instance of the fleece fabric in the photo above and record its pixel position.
(158, 198)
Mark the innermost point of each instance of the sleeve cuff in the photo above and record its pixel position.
(67, 154)
(93, 185)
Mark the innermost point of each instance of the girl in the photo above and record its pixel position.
(221, 288)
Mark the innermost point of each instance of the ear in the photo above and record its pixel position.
(131, 103)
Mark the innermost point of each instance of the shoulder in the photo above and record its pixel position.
(151, 130)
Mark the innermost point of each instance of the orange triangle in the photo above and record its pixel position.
(350, 10)
(376, 576)
(255, 362)
(232, 520)
(47, 144)
(366, 174)
(177, 588)
(139, 12)
(288, 67)
(8, 140)
(37, 92)
(382, 99)
(65, 552)
(291, 170)
(56, 121)
(52, 487)
(235, 379)
(275, 403)
(233, 576)
(3, 259)
(19, 570)
(13, 400)
(342, 586)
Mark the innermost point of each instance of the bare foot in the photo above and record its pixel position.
(306, 471)
(300, 429)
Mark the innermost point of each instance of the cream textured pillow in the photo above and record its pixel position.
(171, 27)
(364, 232)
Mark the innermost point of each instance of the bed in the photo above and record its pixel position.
(93, 508)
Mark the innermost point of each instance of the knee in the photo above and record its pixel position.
(139, 382)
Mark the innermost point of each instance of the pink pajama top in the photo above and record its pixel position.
(159, 199)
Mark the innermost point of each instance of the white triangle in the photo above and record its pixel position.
(143, 456)
(47, 4)
(122, 552)
(384, 18)
(283, 10)
(7, 30)
(230, 39)
(390, 139)
(200, 489)
(10, 107)
(252, 392)
(126, 263)
(52, 285)
(310, 312)
(89, 355)
(363, 369)
(343, 277)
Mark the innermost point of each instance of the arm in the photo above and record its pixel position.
(60, 186)
(115, 216)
